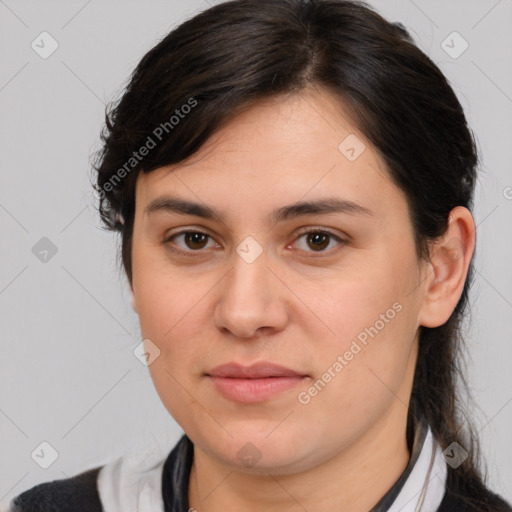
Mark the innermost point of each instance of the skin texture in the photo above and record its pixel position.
(295, 305)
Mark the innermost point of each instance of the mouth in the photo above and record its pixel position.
(256, 383)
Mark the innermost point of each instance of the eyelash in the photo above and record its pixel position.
(198, 252)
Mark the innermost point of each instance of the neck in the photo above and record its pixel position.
(355, 479)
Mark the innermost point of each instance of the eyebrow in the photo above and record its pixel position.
(301, 208)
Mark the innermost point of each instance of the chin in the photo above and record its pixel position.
(263, 450)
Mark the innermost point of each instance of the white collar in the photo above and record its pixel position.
(131, 484)
(425, 487)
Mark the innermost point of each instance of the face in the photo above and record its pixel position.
(330, 293)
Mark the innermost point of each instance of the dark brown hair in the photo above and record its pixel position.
(224, 59)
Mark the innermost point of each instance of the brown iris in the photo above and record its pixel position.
(319, 240)
(196, 240)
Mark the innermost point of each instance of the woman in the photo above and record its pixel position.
(293, 183)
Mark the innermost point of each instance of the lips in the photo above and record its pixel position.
(256, 383)
(258, 370)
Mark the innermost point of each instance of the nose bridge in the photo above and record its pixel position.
(250, 273)
(250, 296)
(248, 282)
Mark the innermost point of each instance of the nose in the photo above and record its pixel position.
(252, 300)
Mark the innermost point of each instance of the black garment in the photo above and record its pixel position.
(75, 494)
(80, 493)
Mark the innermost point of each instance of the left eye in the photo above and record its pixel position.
(319, 240)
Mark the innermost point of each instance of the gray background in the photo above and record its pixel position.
(67, 371)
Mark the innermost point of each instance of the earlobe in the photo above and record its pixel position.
(449, 263)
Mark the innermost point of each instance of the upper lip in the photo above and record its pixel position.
(257, 370)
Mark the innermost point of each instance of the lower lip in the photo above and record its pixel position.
(254, 390)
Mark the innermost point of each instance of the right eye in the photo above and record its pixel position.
(194, 241)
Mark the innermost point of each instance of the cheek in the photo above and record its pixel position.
(164, 296)
(373, 318)
(173, 310)
(353, 308)
(170, 319)
(175, 391)
(361, 373)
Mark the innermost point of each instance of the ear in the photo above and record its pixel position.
(449, 263)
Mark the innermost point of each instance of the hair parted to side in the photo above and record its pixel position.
(224, 59)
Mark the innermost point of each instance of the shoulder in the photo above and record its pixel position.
(130, 482)
(75, 494)
(471, 497)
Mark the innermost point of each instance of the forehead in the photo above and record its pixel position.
(279, 150)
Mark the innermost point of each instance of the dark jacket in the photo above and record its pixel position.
(80, 493)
